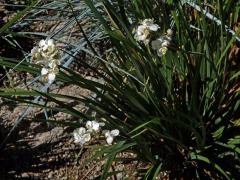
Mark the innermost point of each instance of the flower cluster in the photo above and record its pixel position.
(144, 33)
(109, 135)
(83, 135)
(47, 55)
(161, 44)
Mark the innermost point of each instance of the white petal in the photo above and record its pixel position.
(141, 38)
(52, 64)
(140, 30)
(81, 130)
(42, 43)
(45, 47)
(50, 42)
(165, 43)
(156, 44)
(106, 133)
(44, 71)
(147, 22)
(95, 125)
(169, 32)
(51, 77)
(80, 136)
(115, 132)
(34, 51)
(89, 124)
(77, 137)
(153, 27)
(109, 140)
(162, 51)
(81, 141)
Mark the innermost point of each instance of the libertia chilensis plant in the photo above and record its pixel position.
(167, 86)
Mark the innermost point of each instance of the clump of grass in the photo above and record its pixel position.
(175, 107)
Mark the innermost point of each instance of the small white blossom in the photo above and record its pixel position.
(109, 135)
(163, 41)
(48, 74)
(35, 54)
(161, 44)
(35, 51)
(162, 51)
(156, 44)
(169, 32)
(93, 126)
(44, 71)
(47, 48)
(81, 136)
(143, 30)
(142, 33)
(150, 25)
(46, 44)
(42, 43)
(53, 63)
(47, 55)
(51, 77)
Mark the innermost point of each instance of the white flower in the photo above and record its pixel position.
(109, 135)
(161, 45)
(44, 71)
(169, 32)
(150, 25)
(35, 54)
(48, 75)
(45, 44)
(165, 43)
(143, 31)
(162, 51)
(156, 44)
(81, 136)
(50, 42)
(46, 54)
(47, 48)
(93, 126)
(53, 63)
(51, 77)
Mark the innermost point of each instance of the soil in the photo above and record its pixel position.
(42, 150)
(37, 149)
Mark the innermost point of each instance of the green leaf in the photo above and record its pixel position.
(218, 133)
(153, 172)
(198, 157)
(107, 165)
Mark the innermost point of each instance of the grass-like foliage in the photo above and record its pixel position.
(178, 111)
